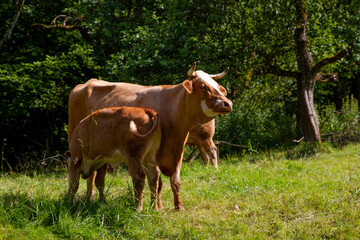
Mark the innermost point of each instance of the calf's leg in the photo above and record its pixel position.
(74, 177)
(153, 176)
(97, 178)
(90, 193)
(137, 173)
(100, 181)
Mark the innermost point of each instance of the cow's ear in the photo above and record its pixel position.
(187, 84)
(223, 90)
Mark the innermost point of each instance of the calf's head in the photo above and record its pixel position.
(211, 96)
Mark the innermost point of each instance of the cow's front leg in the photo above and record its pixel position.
(175, 186)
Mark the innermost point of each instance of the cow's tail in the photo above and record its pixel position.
(154, 116)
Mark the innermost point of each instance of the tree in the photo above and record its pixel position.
(294, 44)
(307, 76)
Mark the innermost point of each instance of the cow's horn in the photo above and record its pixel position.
(192, 70)
(220, 75)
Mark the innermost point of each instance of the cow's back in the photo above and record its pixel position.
(97, 94)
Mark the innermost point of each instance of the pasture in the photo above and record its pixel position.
(261, 196)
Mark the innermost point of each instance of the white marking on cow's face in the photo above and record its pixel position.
(205, 77)
(218, 102)
(208, 111)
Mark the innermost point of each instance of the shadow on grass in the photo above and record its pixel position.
(83, 218)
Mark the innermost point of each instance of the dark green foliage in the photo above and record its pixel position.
(306, 150)
(34, 105)
(155, 42)
(264, 116)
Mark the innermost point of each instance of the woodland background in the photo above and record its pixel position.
(47, 47)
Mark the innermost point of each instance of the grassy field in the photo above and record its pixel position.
(253, 197)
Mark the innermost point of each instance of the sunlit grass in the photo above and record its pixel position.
(250, 197)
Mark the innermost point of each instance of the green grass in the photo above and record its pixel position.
(264, 196)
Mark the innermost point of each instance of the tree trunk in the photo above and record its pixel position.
(306, 79)
(307, 75)
(307, 114)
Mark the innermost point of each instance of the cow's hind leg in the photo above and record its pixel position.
(211, 151)
(137, 173)
(204, 155)
(208, 152)
(160, 186)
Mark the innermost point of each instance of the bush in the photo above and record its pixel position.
(263, 117)
(34, 105)
(306, 150)
(341, 128)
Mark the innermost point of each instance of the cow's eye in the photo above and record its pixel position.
(202, 86)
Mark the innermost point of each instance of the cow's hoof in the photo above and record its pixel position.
(180, 208)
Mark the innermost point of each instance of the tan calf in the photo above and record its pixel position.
(201, 136)
(114, 136)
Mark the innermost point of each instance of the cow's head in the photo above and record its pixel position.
(208, 92)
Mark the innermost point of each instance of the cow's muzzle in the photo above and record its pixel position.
(223, 106)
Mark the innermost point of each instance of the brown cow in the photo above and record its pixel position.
(201, 136)
(197, 100)
(114, 136)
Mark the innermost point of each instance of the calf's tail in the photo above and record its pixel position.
(154, 116)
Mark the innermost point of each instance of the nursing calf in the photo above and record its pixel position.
(114, 136)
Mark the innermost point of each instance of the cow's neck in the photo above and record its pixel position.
(177, 121)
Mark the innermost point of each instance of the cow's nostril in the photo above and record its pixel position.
(226, 104)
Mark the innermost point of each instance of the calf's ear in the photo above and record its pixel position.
(187, 84)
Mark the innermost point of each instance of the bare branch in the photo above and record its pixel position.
(327, 77)
(298, 141)
(341, 54)
(61, 26)
(231, 144)
(18, 6)
(54, 22)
